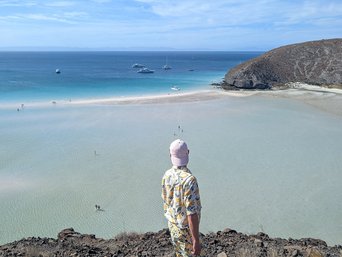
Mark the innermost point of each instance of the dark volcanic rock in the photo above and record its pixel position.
(223, 243)
(315, 62)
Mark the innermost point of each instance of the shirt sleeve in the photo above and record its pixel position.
(192, 200)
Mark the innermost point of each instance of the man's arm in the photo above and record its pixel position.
(193, 222)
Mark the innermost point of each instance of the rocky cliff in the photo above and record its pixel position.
(221, 244)
(315, 62)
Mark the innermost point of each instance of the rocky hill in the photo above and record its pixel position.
(315, 62)
(221, 244)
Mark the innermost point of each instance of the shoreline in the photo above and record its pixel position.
(190, 96)
(325, 99)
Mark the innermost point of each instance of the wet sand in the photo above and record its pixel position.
(325, 99)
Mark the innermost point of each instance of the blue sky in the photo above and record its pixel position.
(166, 24)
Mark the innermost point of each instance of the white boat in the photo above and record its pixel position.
(138, 65)
(175, 88)
(145, 70)
(58, 71)
(166, 67)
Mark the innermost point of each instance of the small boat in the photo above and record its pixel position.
(145, 70)
(175, 88)
(166, 67)
(190, 69)
(58, 71)
(138, 65)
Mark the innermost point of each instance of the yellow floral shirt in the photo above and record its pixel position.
(180, 196)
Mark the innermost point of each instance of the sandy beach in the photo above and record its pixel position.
(325, 99)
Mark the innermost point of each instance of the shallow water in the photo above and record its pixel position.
(263, 164)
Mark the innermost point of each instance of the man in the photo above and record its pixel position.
(181, 202)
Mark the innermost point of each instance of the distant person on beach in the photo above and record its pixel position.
(181, 202)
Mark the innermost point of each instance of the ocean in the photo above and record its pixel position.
(262, 163)
(31, 76)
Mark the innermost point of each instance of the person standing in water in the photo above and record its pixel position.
(181, 202)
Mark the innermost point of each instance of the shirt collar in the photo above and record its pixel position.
(183, 168)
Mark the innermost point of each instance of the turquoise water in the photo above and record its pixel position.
(263, 164)
(31, 76)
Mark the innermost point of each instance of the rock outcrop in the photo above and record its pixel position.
(223, 243)
(315, 62)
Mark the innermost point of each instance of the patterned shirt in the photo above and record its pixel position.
(180, 196)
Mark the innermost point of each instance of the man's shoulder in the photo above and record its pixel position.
(169, 172)
(190, 179)
(183, 174)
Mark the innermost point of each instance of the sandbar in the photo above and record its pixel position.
(325, 99)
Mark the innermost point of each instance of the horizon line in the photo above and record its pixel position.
(117, 49)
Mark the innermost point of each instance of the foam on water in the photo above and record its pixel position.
(262, 164)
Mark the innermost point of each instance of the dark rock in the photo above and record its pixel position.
(65, 233)
(229, 231)
(262, 235)
(315, 62)
(258, 243)
(223, 243)
(294, 253)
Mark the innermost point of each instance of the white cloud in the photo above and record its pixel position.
(312, 13)
(75, 14)
(15, 3)
(145, 1)
(218, 23)
(60, 4)
(67, 17)
(243, 12)
(101, 1)
(43, 17)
